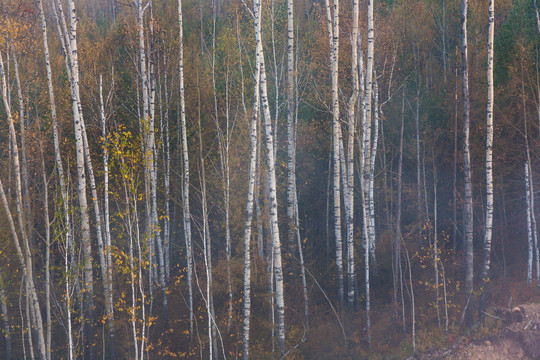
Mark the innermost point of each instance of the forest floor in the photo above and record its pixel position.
(518, 338)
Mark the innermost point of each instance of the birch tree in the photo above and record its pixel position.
(61, 176)
(291, 146)
(185, 175)
(366, 159)
(489, 157)
(468, 207)
(271, 165)
(529, 181)
(26, 258)
(349, 192)
(333, 37)
(529, 227)
(250, 201)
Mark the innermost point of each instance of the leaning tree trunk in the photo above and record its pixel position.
(26, 259)
(489, 159)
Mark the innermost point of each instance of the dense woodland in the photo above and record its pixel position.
(264, 179)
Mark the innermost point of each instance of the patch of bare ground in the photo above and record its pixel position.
(519, 338)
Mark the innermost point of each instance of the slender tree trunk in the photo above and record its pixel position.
(291, 145)
(280, 303)
(107, 258)
(29, 326)
(5, 319)
(444, 38)
(26, 260)
(489, 159)
(47, 244)
(333, 34)
(417, 128)
(366, 157)
(529, 226)
(185, 177)
(436, 254)
(60, 169)
(349, 192)
(297, 217)
(373, 154)
(537, 15)
(24, 160)
(156, 237)
(167, 180)
(454, 182)
(81, 175)
(413, 310)
(397, 236)
(530, 182)
(468, 207)
(249, 209)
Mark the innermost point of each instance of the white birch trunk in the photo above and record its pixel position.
(106, 257)
(373, 154)
(366, 157)
(185, 177)
(81, 191)
(60, 169)
(468, 207)
(333, 35)
(489, 157)
(26, 260)
(249, 209)
(47, 246)
(156, 239)
(29, 327)
(349, 194)
(280, 304)
(167, 183)
(291, 146)
(529, 227)
(24, 160)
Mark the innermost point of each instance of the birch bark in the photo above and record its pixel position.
(529, 227)
(81, 184)
(276, 245)
(185, 179)
(349, 193)
(26, 259)
(489, 158)
(60, 169)
(333, 35)
(249, 208)
(366, 157)
(468, 207)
